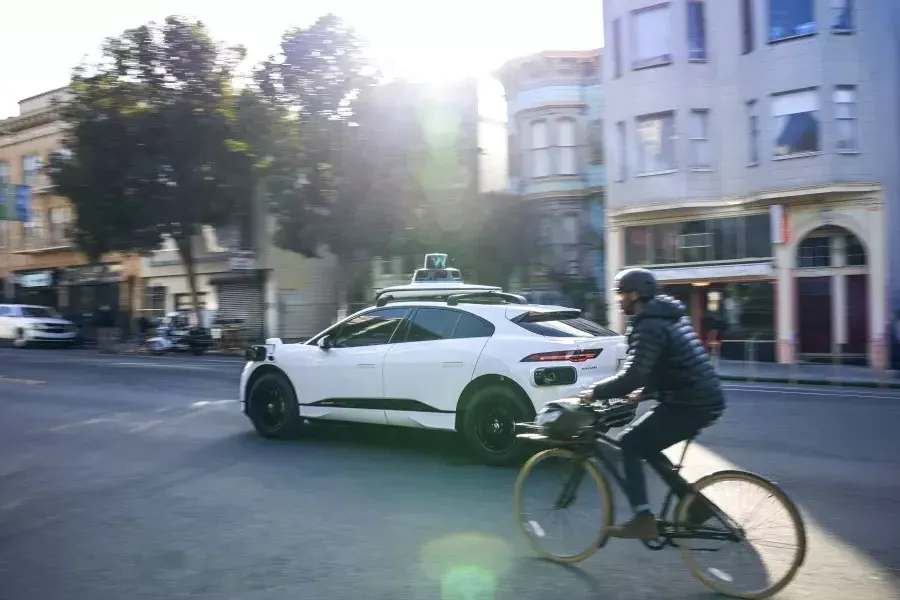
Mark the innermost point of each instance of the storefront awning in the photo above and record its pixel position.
(713, 272)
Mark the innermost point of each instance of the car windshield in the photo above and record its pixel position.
(39, 312)
(574, 328)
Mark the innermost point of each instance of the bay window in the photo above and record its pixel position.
(796, 122)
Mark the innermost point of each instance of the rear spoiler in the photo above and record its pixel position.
(539, 316)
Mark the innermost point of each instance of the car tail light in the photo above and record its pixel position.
(575, 356)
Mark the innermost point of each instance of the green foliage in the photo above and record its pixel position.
(159, 142)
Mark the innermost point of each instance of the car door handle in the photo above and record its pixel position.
(452, 364)
(366, 366)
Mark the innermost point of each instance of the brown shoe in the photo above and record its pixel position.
(640, 527)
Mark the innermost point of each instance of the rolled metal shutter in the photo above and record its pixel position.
(243, 300)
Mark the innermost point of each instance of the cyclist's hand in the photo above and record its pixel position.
(636, 396)
(587, 396)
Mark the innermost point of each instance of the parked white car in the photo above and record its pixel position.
(470, 359)
(24, 324)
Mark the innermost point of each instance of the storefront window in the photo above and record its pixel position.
(748, 310)
(665, 243)
(638, 243)
(757, 236)
(699, 241)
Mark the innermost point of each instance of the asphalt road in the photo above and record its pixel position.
(137, 477)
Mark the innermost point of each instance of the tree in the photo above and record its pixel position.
(159, 143)
(327, 172)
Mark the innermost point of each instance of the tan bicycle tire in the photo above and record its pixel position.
(787, 503)
(602, 485)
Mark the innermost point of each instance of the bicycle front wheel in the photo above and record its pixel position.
(761, 521)
(554, 487)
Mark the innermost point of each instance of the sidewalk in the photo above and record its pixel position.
(806, 374)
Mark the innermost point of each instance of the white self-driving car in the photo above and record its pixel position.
(436, 355)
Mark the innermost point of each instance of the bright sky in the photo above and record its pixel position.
(41, 42)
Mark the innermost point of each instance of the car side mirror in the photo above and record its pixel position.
(324, 342)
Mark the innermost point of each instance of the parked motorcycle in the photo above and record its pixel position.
(174, 334)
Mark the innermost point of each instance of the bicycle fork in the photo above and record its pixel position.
(569, 491)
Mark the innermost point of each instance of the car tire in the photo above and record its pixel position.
(272, 407)
(20, 340)
(488, 425)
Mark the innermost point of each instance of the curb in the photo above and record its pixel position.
(894, 385)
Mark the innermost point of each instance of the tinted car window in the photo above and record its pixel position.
(575, 328)
(369, 329)
(431, 324)
(470, 326)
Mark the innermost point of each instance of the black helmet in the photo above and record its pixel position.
(565, 419)
(641, 281)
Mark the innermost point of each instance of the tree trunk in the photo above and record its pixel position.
(186, 252)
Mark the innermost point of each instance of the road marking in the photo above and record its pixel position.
(23, 381)
(811, 392)
(202, 403)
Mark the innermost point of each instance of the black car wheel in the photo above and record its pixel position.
(272, 407)
(489, 425)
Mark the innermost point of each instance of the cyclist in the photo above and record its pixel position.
(667, 359)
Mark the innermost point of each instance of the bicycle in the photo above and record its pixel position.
(679, 522)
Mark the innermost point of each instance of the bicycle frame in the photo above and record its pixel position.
(678, 487)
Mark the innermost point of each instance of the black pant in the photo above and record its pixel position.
(648, 436)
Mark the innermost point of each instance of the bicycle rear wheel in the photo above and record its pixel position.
(702, 534)
(574, 480)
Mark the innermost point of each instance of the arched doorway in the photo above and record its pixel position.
(832, 288)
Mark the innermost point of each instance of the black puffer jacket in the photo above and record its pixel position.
(666, 357)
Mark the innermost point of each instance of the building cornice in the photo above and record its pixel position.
(693, 206)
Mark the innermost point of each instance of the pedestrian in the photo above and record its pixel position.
(104, 322)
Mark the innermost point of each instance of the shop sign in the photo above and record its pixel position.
(708, 272)
(93, 274)
(242, 260)
(35, 280)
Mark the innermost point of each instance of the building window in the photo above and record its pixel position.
(617, 47)
(696, 28)
(33, 228)
(814, 253)
(842, 16)
(752, 134)
(856, 252)
(154, 301)
(4, 172)
(183, 302)
(540, 149)
(595, 136)
(701, 157)
(31, 171)
(651, 33)
(656, 142)
(796, 121)
(845, 117)
(567, 146)
(791, 18)
(60, 218)
(621, 151)
(747, 28)
(734, 238)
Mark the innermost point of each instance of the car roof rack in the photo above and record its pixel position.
(455, 299)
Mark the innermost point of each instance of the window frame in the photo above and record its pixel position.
(693, 163)
(702, 50)
(664, 142)
(792, 36)
(596, 147)
(32, 176)
(752, 115)
(835, 9)
(853, 119)
(535, 151)
(618, 59)
(774, 99)
(334, 330)
(748, 29)
(567, 151)
(663, 59)
(621, 151)
(401, 336)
